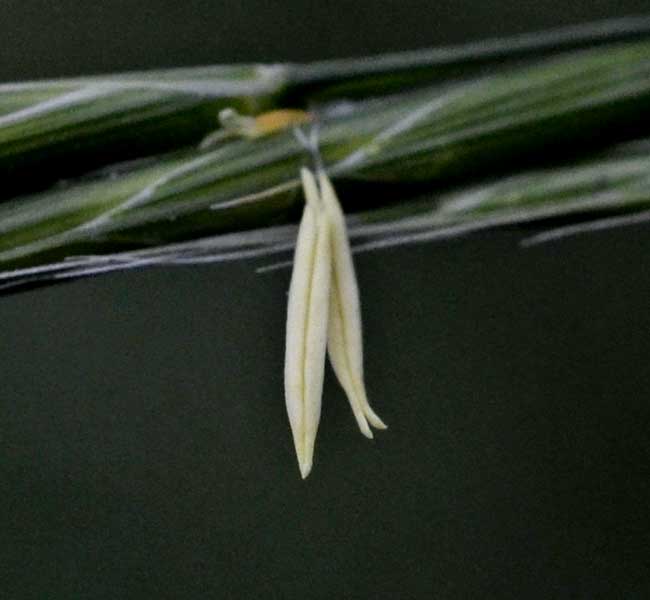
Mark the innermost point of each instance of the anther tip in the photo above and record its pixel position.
(366, 430)
(305, 468)
(375, 421)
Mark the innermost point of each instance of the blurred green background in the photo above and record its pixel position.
(144, 446)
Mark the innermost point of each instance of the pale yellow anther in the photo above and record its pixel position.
(323, 313)
(277, 120)
(307, 314)
(345, 338)
(235, 125)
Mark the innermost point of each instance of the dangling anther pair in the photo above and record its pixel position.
(323, 315)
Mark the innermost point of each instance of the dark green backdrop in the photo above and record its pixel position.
(144, 447)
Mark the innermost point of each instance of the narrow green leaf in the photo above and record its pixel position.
(390, 150)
